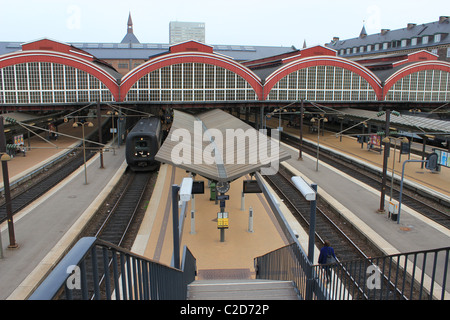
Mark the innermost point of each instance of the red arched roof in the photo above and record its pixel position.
(413, 68)
(190, 57)
(299, 64)
(62, 58)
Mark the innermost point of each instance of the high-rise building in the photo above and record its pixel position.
(184, 31)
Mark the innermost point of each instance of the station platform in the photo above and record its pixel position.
(44, 230)
(413, 232)
(349, 146)
(41, 152)
(230, 259)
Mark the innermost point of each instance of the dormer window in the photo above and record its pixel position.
(425, 40)
(404, 42)
(414, 41)
(437, 37)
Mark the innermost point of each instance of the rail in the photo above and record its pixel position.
(407, 276)
(129, 277)
(331, 282)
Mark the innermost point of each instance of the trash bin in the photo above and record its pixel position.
(212, 188)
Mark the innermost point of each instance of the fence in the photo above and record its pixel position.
(94, 269)
(408, 276)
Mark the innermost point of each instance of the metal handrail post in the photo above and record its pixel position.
(176, 236)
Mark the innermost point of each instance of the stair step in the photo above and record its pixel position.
(241, 290)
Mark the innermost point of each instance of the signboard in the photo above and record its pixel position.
(251, 186)
(443, 157)
(198, 187)
(222, 220)
(375, 140)
(405, 148)
(18, 140)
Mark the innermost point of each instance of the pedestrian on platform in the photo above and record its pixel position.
(327, 257)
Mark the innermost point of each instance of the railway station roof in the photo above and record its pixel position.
(417, 124)
(218, 146)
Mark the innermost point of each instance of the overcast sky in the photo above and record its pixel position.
(239, 22)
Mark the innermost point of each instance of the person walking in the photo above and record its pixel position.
(327, 257)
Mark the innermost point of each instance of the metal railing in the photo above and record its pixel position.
(422, 275)
(95, 269)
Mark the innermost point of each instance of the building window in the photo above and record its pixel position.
(385, 45)
(323, 83)
(377, 47)
(426, 85)
(404, 42)
(425, 40)
(414, 41)
(369, 48)
(191, 82)
(44, 82)
(437, 37)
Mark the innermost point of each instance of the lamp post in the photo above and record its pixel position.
(313, 120)
(113, 129)
(310, 194)
(89, 124)
(4, 158)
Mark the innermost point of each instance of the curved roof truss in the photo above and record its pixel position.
(191, 57)
(345, 64)
(52, 57)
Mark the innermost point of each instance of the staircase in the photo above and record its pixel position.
(246, 289)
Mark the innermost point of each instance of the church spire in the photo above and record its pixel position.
(130, 37)
(363, 33)
(130, 24)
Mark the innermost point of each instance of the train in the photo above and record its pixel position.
(142, 144)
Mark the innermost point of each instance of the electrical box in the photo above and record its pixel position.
(393, 210)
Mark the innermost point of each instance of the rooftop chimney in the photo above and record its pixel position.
(443, 19)
(411, 25)
(384, 31)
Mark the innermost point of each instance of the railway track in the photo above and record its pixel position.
(350, 245)
(425, 205)
(116, 222)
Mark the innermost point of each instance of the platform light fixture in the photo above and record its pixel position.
(7, 192)
(318, 120)
(89, 124)
(309, 192)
